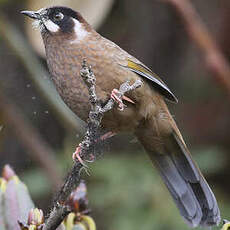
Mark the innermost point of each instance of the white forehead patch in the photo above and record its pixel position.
(51, 26)
(79, 30)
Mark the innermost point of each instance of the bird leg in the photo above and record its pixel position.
(117, 96)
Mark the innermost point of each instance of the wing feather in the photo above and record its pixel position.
(145, 72)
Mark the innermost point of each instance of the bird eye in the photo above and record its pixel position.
(58, 16)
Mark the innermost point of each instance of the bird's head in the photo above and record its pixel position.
(60, 20)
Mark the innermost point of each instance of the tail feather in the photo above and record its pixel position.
(180, 190)
(183, 162)
(201, 189)
(190, 191)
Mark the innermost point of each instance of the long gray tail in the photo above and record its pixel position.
(189, 189)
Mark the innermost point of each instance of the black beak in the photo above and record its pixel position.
(31, 14)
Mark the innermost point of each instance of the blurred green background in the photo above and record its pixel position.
(38, 133)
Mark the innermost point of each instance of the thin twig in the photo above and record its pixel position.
(96, 114)
(200, 35)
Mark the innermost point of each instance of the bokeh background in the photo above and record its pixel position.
(38, 133)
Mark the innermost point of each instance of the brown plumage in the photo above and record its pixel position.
(69, 39)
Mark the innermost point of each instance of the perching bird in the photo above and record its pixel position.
(68, 40)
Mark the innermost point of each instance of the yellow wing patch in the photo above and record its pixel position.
(158, 84)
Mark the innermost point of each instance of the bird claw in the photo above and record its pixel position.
(76, 156)
(117, 96)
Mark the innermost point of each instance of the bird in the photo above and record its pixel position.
(68, 41)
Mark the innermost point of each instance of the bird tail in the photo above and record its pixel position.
(190, 191)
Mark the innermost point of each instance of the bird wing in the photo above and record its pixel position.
(145, 72)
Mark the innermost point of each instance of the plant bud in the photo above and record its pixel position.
(35, 217)
(8, 172)
(78, 201)
(73, 222)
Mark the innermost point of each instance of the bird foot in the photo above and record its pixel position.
(117, 96)
(76, 154)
